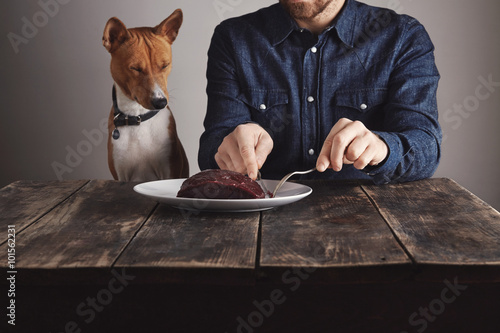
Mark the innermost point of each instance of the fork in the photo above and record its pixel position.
(284, 179)
(259, 178)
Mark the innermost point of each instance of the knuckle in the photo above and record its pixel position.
(352, 155)
(264, 136)
(226, 141)
(360, 128)
(246, 151)
(339, 140)
(223, 149)
(328, 141)
(362, 161)
(241, 130)
(218, 156)
(237, 132)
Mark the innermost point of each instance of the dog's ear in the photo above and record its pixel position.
(170, 26)
(115, 33)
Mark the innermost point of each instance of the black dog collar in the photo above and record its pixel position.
(122, 119)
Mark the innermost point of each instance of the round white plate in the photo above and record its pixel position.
(165, 191)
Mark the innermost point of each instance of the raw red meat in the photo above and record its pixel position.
(220, 184)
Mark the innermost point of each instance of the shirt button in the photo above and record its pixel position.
(311, 152)
(314, 49)
(363, 106)
(262, 106)
(310, 99)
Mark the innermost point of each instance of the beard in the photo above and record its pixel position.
(305, 11)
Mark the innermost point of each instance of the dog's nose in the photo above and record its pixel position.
(159, 102)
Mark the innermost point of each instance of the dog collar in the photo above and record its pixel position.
(122, 119)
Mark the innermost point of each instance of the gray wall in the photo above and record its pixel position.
(56, 89)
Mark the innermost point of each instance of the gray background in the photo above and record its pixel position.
(56, 89)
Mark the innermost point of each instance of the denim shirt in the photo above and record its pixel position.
(370, 65)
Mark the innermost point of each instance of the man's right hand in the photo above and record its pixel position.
(245, 150)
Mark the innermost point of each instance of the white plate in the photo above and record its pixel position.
(165, 191)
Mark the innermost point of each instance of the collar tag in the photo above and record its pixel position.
(116, 134)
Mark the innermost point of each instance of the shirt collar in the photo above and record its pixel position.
(283, 24)
(343, 23)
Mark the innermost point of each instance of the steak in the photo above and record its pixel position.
(220, 184)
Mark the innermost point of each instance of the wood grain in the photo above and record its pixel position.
(442, 224)
(194, 246)
(336, 228)
(24, 202)
(89, 229)
(343, 232)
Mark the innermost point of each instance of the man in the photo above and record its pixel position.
(334, 84)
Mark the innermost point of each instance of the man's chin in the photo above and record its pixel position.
(297, 10)
(304, 10)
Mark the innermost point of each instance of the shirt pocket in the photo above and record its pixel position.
(360, 100)
(268, 108)
(365, 105)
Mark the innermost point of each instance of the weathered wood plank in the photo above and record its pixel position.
(335, 230)
(194, 246)
(442, 225)
(23, 202)
(89, 230)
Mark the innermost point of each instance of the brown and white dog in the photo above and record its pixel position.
(143, 144)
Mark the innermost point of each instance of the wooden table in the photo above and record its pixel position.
(94, 256)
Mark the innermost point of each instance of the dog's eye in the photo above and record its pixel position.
(137, 69)
(165, 66)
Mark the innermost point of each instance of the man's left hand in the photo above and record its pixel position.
(350, 142)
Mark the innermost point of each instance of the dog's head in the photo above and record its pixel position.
(141, 58)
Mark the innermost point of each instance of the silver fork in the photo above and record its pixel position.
(259, 178)
(284, 179)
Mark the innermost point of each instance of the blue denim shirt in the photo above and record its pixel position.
(371, 65)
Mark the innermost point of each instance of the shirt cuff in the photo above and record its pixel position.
(382, 172)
